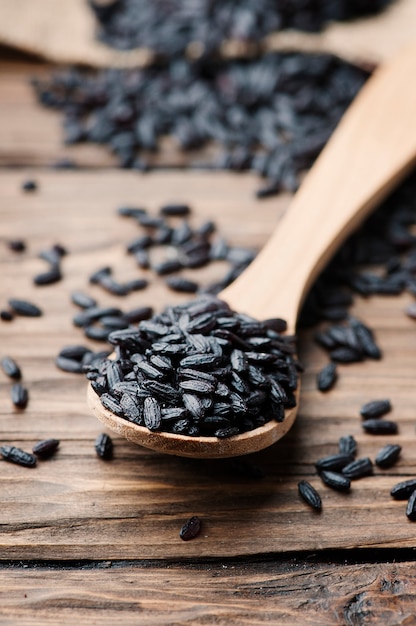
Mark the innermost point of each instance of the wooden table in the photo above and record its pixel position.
(92, 542)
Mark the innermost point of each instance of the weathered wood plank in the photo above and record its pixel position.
(77, 506)
(215, 593)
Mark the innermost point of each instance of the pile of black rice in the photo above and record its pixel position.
(201, 26)
(271, 115)
(199, 369)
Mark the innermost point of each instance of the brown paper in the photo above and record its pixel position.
(63, 31)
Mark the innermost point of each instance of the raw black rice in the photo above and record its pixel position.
(201, 27)
(347, 445)
(18, 456)
(309, 494)
(191, 528)
(177, 283)
(358, 468)
(6, 316)
(74, 366)
(388, 455)
(402, 490)
(257, 110)
(327, 377)
(46, 447)
(375, 408)
(380, 427)
(104, 446)
(49, 277)
(336, 481)
(334, 462)
(17, 245)
(29, 185)
(411, 507)
(19, 395)
(24, 308)
(83, 300)
(179, 363)
(11, 368)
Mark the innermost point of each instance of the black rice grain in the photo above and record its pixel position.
(98, 333)
(336, 481)
(327, 377)
(201, 28)
(177, 210)
(411, 507)
(17, 245)
(345, 355)
(104, 446)
(137, 284)
(24, 308)
(83, 300)
(114, 322)
(29, 185)
(66, 364)
(402, 490)
(190, 377)
(96, 277)
(167, 267)
(388, 455)
(347, 445)
(19, 395)
(190, 529)
(46, 447)
(138, 315)
(152, 414)
(142, 259)
(112, 286)
(86, 317)
(139, 243)
(76, 352)
(200, 103)
(130, 211)
(109, 402)
(366, 339)
(52, 255)
(49, 277)
(358, 468)
(18, 456)
(6, 316)
(309, 494)
(132, 411)
(182, 285)
(380, 427)
(334, 462)
(375, 408)
(11, 368)
(230, 431)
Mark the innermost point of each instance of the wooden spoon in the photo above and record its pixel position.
(372, 149)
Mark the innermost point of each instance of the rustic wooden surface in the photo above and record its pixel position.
(92, 541)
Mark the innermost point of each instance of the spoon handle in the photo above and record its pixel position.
(372, 149)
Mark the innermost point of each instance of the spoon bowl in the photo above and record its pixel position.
(372, 149)
(196, 447)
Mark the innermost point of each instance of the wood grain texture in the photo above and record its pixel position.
(216, 593)
(75, 506)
